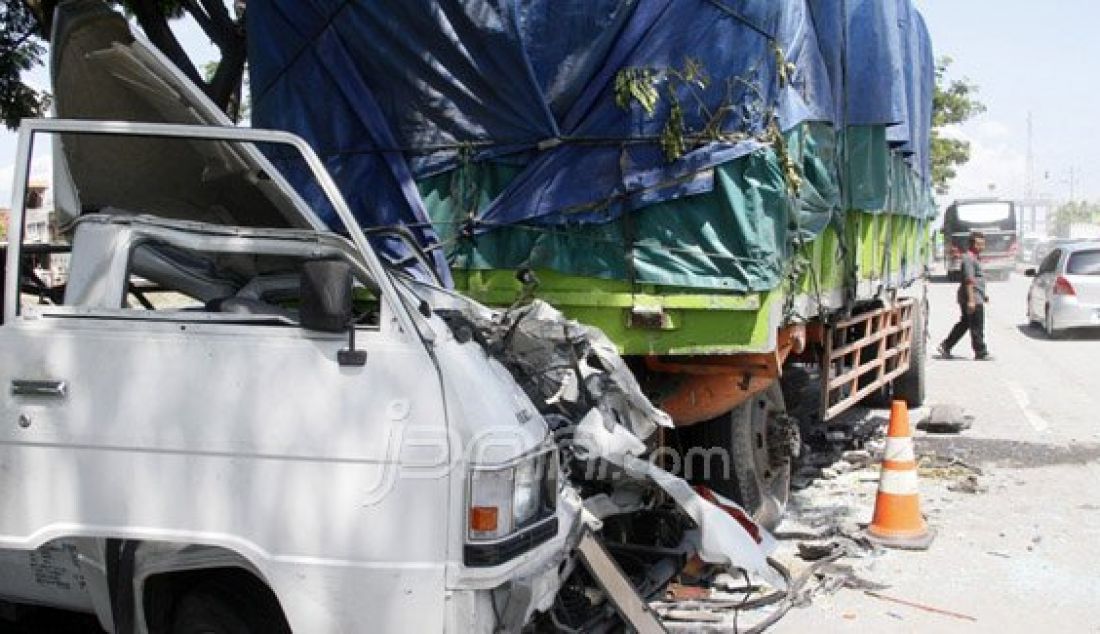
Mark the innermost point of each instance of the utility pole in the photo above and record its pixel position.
(1030, 160)
(1072, 183)
(1026, 212)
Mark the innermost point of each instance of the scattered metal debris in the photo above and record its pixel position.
(641, 526)
(821, 538)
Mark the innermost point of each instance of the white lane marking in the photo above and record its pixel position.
(1038, 422)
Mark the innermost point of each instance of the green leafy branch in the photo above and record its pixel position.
(644, 87)
(647, 86)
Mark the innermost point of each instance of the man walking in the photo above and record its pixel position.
(972, 299)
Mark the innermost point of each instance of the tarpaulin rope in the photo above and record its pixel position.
(308, 42)
(740, 17)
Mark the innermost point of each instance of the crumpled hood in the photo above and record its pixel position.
(575, 378)
(100, 70)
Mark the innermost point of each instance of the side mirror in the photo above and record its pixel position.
(1029, 272)
(326, 295)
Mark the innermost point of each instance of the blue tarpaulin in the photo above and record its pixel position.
(390, 92)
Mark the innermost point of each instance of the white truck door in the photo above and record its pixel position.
(180, 426)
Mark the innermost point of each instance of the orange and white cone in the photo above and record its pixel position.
(897, 522)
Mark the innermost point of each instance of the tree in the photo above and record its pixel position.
(25, 27)
(1074, 212)
(953, 102)
(21, 50)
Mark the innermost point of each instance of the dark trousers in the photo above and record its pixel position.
(975, 323)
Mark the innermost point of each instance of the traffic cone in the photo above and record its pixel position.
(897, 522)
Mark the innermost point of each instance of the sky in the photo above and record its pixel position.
(1027, 58)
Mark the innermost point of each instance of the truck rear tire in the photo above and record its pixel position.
(762, 441)
(910, 387)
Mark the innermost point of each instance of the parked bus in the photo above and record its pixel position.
(997, 220)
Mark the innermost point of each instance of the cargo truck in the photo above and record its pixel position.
(738, 193)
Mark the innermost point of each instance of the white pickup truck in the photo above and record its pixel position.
(245, 422)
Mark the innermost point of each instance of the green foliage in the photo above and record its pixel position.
(947, 154)
(636, 84)
(1074, 212)
(25, 23)
(954, 101)
(673, 144)
(785, 69)
(20, 51)
(644, 86)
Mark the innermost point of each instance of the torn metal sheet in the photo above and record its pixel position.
(565, 367)
(722, 539)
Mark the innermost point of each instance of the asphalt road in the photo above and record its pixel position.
(1024, 555)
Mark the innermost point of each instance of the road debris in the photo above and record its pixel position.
(968, 484)
(919, 606)
(813, 552)
(946, 419)
(820, 540)
(961, 476)
(858, 458)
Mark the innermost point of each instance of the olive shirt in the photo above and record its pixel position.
(972, 273)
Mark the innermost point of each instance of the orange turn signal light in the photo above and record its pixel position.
(483, 519)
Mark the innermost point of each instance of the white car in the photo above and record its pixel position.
(1065, 291)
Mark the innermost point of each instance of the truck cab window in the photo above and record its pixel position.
(254, 286)
(165, 227)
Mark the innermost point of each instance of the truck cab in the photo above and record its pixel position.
(232, 414)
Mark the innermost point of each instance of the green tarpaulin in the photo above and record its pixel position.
(737, 237)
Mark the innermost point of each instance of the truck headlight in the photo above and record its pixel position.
(525, 496)
(504, 500)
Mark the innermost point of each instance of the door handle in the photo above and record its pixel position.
(42, 389)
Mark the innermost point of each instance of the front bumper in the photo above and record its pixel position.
(521, 584)
(482, 555)
(1069, 312)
